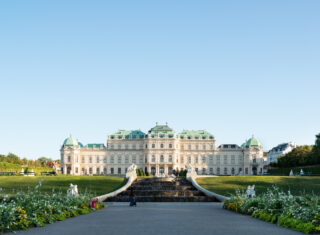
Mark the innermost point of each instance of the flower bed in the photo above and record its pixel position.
(31, 209)
(300, 213)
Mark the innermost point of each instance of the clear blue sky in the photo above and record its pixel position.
(234, 68)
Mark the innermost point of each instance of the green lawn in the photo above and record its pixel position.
(97, 185)
(226, 185)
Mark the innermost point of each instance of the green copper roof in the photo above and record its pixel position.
(197, 134)
(71, 142)
(161, 129)
(252, 142)
(95, 145)
(128, 134)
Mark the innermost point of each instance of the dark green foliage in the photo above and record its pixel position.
(183, 173)
(301, 156)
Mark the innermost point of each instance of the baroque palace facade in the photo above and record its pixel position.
(161, 152)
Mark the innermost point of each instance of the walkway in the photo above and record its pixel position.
(161, 218)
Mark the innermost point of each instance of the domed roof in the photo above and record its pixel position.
(71, 142)
(252, 142)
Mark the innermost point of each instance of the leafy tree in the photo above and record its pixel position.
(316, 148)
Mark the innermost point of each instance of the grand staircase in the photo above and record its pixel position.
(163, 190)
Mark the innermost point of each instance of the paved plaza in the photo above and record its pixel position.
(161, 218)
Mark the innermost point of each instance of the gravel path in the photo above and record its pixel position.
(161, 218)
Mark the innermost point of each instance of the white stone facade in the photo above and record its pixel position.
(279, 151)
(161, 151)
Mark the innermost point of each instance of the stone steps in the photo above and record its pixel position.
(163, 190)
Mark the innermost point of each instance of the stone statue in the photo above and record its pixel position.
(73, 190)
(301, 172)
(132, 168)
(250, 191)
(291, 173)
(132, 171)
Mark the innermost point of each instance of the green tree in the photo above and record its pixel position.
(316, 148)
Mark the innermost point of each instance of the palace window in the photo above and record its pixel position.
(246, 170)
(189, 147)
(105, 160)
(182, 159)
(203, 171)
(232, 171)
(203, 159)
(119, 159)
(233, 161)
(189, 159)
(119, 146)
(170, 146)
(204, 147)
(218, 171)
(196, 159)
(218, 160)
(141, 158)
(197, 170)
(153, 146)
(170, 158)
(69, 158)
(153, 158)
(127, 159)
(90, 170)
(98, 159)
(182, 147)
(111, 146)
(76, 170)
(126, 146)
(197, 147)
(119, 171)
(211, 171)
(90, 159)
(112, 159)
(225, 159)
(133, 146)
(105, 170)
(240, 170)
(225, 170)
(82, 159)
(134, 159)
(211, 146)
(112, 170)
(211, 159)
(161, 146)
(98, 171)
(141, 146)
(82, 171)
(161, 158)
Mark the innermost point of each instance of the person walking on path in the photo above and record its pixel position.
(132, 199)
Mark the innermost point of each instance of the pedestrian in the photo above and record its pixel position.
(132, 199)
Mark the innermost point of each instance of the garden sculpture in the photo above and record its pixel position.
(291, 173)
(73, 190)
(250, 191)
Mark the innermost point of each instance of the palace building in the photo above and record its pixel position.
(162, 151)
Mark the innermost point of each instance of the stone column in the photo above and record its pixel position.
(157, 170)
